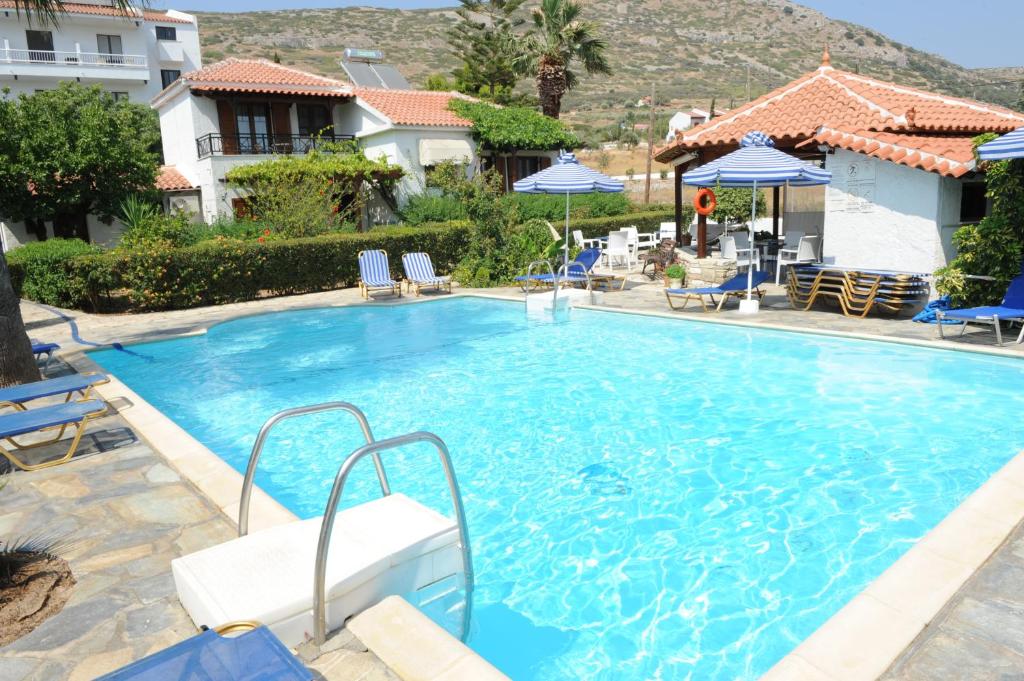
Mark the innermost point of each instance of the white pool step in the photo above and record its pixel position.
(389, 546)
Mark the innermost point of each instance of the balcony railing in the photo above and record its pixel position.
(19, 56)
(215, 144)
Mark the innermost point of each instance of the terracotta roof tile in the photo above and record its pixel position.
(170, 179)
(100, 10)
(414, 107)
(859, 113)
(262, 76)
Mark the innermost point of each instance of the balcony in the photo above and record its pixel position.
(216, 144)
(61, 64)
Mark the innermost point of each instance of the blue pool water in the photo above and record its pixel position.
(647, 498)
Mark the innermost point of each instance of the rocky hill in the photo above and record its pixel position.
(692, 49)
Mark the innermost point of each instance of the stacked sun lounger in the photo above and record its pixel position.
(855, 292)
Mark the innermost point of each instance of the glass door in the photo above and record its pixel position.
(109, 47)
(40, 45)
(253, 123)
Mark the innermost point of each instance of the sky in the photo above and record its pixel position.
(974, 33)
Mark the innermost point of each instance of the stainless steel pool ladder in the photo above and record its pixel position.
(372, 448)
(554, 282)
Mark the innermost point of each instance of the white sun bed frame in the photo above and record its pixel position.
(306, 578)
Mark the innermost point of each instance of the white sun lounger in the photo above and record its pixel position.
(392, 545)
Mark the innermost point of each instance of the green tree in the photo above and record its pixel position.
(71, 152)
(560, 40)
(486, 42)
(438, 82)
(734, 204)
(17, 364)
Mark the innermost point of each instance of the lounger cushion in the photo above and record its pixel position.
(267, 576)
(985, 312)
(694, 291)
(44, 348)
(48, 388)
(22, 422)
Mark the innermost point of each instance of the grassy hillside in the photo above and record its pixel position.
(692, 49)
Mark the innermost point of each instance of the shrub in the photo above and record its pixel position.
(230, 228)
(156, 276)
(552, 206)
(425, 208)
(38, 271)
(176, 230)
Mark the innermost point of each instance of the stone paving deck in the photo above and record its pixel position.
(128, 513)
(124, 606)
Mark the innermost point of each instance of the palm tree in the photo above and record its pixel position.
(560, 39)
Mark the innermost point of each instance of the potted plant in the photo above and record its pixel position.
(674, 275)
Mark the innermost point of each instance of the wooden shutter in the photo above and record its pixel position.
(545, 162)
(281, 118)
(228, 130)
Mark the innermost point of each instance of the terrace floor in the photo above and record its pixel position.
(131, 513)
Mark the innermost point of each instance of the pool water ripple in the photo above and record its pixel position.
(647, 498)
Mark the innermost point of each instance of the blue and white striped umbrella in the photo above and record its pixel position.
(567, 176)
(757, 163)
(1010, 145)
(757, 160)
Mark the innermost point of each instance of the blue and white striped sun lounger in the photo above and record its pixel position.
(17, 395)
(374, 274)
(256, 654)
(56, 417)
(734, 288)
(419, 272)
(1012, 309)
(40, 349)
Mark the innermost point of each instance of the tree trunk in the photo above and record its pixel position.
(551, 85)
(17, 363)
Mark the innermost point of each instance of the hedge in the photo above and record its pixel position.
(648, 221)
(227, 271)
(37, 270)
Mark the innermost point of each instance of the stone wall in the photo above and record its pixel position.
(701, 272)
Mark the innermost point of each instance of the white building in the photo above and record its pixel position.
(133, 55)
(684, 120)
(241, 111)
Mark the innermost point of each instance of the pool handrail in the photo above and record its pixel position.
(261, 439)
(554, 282)
(327, 526)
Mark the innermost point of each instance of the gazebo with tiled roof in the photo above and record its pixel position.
(829, 109)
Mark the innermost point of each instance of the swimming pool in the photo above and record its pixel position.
(646, 497)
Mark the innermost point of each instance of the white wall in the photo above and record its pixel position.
(883, 215)
(402, 146)
(78, 32)
(14, 234)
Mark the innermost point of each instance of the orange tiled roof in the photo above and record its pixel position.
(262, 76)
(170, 179)
(414, 107)
(852, 111)
(100, 10)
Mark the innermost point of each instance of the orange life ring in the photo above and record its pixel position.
(704, 202)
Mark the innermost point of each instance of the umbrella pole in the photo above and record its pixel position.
(750, 256)
(565, 244)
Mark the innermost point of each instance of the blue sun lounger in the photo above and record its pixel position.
(17, 395)
(1011, 309)
(734, 288)
(40, 349)
(254, 655)
(419, 272)
(57, 417)
(576, 273)
(374, 274)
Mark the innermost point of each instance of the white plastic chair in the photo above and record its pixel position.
(618, 247)
(634, 238)
(583, 242)
(646, 240)
(806, 251)
(743, 256)
(667, 231)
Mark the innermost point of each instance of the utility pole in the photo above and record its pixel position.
(650, 150)
(748, 83)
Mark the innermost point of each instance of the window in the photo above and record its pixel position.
(166, 33)
(527, 165)
(973, 204)
(119, 96)
(110, 47)
(253, 124)
(168, 76)
(313, 118)
(40, 45)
